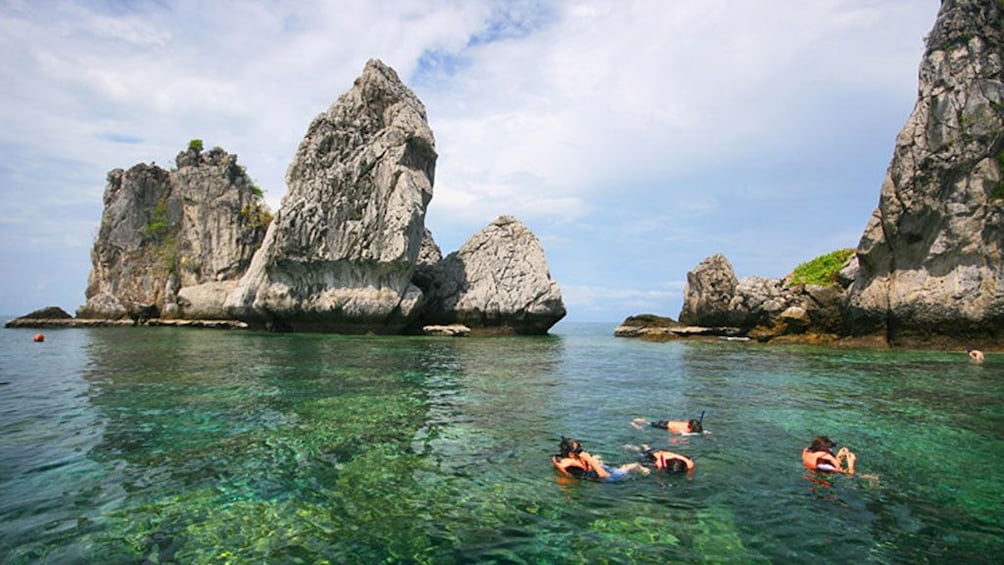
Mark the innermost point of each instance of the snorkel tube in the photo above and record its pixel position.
(701, 420)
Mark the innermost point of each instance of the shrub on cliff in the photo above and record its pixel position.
(822, 270)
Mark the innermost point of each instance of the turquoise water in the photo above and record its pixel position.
(200, 446)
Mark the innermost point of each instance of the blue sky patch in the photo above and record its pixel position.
(121, 138)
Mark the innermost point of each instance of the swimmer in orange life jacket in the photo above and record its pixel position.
(819, 457)
(679, 427)
(665, 461)
(571, 460)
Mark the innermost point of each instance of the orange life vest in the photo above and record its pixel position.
(812, 459)
(663, 457)
(573, 467)
(677, 427)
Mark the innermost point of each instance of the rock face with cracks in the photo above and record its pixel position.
(343, 247)
(497, 282)
(930, 260)
(162, 231)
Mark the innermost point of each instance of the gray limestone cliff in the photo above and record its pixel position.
(928, 268)
(343, 247)
(497, 282)
(929, 261)
(347, 252)
(162, 231)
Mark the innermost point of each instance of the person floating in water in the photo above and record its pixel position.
(573, 461)
(819, 457)
(975, 355)
(679, 427)
(665, 461)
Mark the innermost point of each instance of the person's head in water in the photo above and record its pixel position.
(822, 443)
(568, 447)
(675, 466)
(695, 426)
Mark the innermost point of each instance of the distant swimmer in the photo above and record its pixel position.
(819, 457)
(692, 426)
(976, 355)
(573, 461)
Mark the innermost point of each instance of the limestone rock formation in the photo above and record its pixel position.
(930, 260)
(429, 255)
(342, 249)
(497, 282)
(710, 286)
(161, 231)
(763, 307)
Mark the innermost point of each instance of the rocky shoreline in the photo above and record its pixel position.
(41, 323)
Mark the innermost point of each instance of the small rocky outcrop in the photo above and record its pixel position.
(497, 282)
(759, 307)
(343, 247)
(163, 230)
(47, 313)
(930, 259)
(710, 286)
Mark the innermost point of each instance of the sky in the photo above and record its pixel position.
(634, 138)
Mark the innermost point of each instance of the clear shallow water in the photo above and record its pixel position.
(174, 445)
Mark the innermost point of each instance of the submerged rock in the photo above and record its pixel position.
(342, 249)
(497, 282)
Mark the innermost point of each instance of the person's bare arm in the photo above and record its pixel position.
(595, 463)
(849, 460)
(640, 423)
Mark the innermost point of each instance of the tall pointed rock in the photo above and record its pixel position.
(931, 256)
(341, 251)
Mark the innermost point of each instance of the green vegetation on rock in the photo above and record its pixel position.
(257, 215)
(195, 145)
(822, 270)
(158, 225)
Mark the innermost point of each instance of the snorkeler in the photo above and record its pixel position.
(679, 427)
(571, 460)
(819, 457)
(976, 355)
(665, 461)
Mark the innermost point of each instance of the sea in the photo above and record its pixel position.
(180, 445)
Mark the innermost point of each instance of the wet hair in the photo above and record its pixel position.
(675, 466)
(568, 445)
(695, 426)
(822, 443)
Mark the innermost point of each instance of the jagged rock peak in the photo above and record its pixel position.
(930, 259)
(498, 281)
(161, 231)
(709, 289)
(341, 251)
